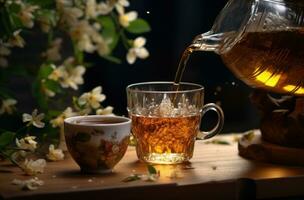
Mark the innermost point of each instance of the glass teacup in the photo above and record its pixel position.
(166, 120)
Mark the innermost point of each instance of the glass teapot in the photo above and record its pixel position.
(261, 42)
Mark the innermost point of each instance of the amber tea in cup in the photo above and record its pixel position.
(166, 120)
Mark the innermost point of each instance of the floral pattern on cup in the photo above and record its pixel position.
(97, 148)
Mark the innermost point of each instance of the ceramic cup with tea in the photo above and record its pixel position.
(97, 143)
(166, 120)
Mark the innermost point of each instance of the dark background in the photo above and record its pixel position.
(174, 24)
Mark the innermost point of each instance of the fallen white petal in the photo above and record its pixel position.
(30, 184)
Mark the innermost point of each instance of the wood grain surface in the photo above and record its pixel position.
(218, 172)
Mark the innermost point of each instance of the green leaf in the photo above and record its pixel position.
(221, 142)
(14, 18)
(112, 59)
(218, 141)
(76, 104)
(6, 29)
(44, 71)
(138, 26)
(114, 41)
(37, 88)
(54, 113)
(16, 22)
(39, 95)
(6, 138)
(109, 31)
(42, 3)
(79, 55)
(52, 85)
(132, 177)
(14, 8)
(151, 169)
(108, 26)
(50, 15)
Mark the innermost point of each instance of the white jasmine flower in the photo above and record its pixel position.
(58, 121)
(34, 119)
(105, 111)
(90, 9)
(103, 48)
(149, 177)
(81, 32)
(70, 15)
(30, 184)
(54, 154)
(102, 45)
(92, 98)
(97, 26)
(52, 53)
(104, 8)
(67, 75)
(26, 15)
(85, 44)
(121, 4)
(88, 38)
(4, 51)
(126, 18)
(73, 77)
(16, 40)
(44, 22)
(57, 73)
(138, 50)
(8, 106)
(27, 143)
(124, 3)
(31, 167)
(19, 156)
(48, 92)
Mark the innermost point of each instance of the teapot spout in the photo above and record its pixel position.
(208, 42)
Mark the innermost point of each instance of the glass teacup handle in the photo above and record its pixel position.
(220, 121)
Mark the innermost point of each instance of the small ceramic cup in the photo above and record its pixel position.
(97, 143)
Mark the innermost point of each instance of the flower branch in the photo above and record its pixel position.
(76, 27)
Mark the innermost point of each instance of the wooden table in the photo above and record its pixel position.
(218, 173)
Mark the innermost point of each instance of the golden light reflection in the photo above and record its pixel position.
(165, 158)
(276, 172)
(294, 89)
(268, 78)
(300, 90)
(170, 171)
